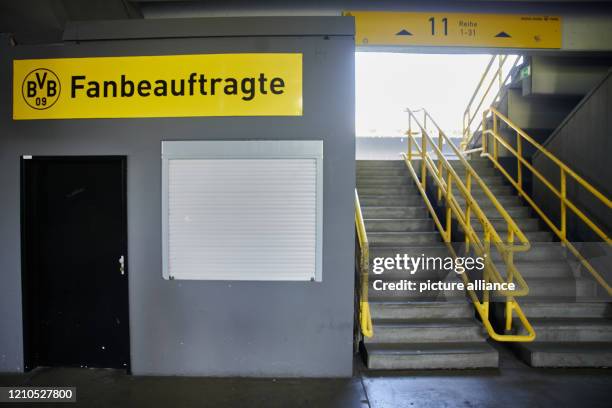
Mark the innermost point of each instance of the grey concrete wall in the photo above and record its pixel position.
(208, 328)
(567, 76)
(583, 142)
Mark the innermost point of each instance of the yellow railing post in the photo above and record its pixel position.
(423, 157)
(495, 139)
(519, 169)
(468, 207)
(440, 146)
(484, 136)
(449, 215)
(466, 128)
(509, 308)
(563, 180)
(365, 319)
(487, 269)
(509, 279)
(409, 138)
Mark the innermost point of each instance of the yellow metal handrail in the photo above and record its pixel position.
(498, 77)
(445, 177)
(561, 192)
(365, 319)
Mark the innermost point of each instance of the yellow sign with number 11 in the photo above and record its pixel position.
(381, 28)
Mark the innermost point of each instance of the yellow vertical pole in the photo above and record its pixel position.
(449, 215)
(519, 168)
(468, 207)
(410, 137)
(495, 137)
(509, 308)
(440, 145)
(487, 254)
(484, 137)
(510, 279)
(423, 156)
(563, 206)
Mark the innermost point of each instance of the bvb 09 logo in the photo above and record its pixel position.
(41, 88)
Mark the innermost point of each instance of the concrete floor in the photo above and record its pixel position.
(513, 385)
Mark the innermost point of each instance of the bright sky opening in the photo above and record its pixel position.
(388, 83)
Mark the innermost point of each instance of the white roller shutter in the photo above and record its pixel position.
(242, 210)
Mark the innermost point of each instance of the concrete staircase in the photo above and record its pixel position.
(573, 321)
(413, 330)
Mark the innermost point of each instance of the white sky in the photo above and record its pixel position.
(387, 83)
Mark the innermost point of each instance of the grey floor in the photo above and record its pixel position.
(513, 385)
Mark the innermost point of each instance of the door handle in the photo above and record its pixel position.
(122, 264)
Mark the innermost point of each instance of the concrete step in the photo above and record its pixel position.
(539, 251)
(570, 330)
(420, 310)
(437, 297)
(500, 224)
(431, 356)
(540, 269)
(426, 331)
(390, 200)
(575, 309)
(384, 181)
(407, 189)
(532, 236)
(479, 163)
(362, 164)
(476, 164)
(538, 236)
(402, 238)
(504, 200)
(515, 211)
(438, 249)
(496, 189)
(399, 225)
(559, 287)
(565, 354)
(480, 171)
(414, 296)
(394, 212)
(492, 180)
(499, 191)
(382, 171)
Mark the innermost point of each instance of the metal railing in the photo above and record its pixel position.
(365, 319)
(495, 75)
(447, 182)
(560, 192)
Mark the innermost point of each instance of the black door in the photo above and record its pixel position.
(74, 240)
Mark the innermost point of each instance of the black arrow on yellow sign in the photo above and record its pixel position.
(404, 32)
(503, 34)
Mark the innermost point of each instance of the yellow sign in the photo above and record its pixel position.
(158, 86)
(456, 30)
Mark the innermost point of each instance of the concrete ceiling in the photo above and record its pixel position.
(43, 21)
(35, 21)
